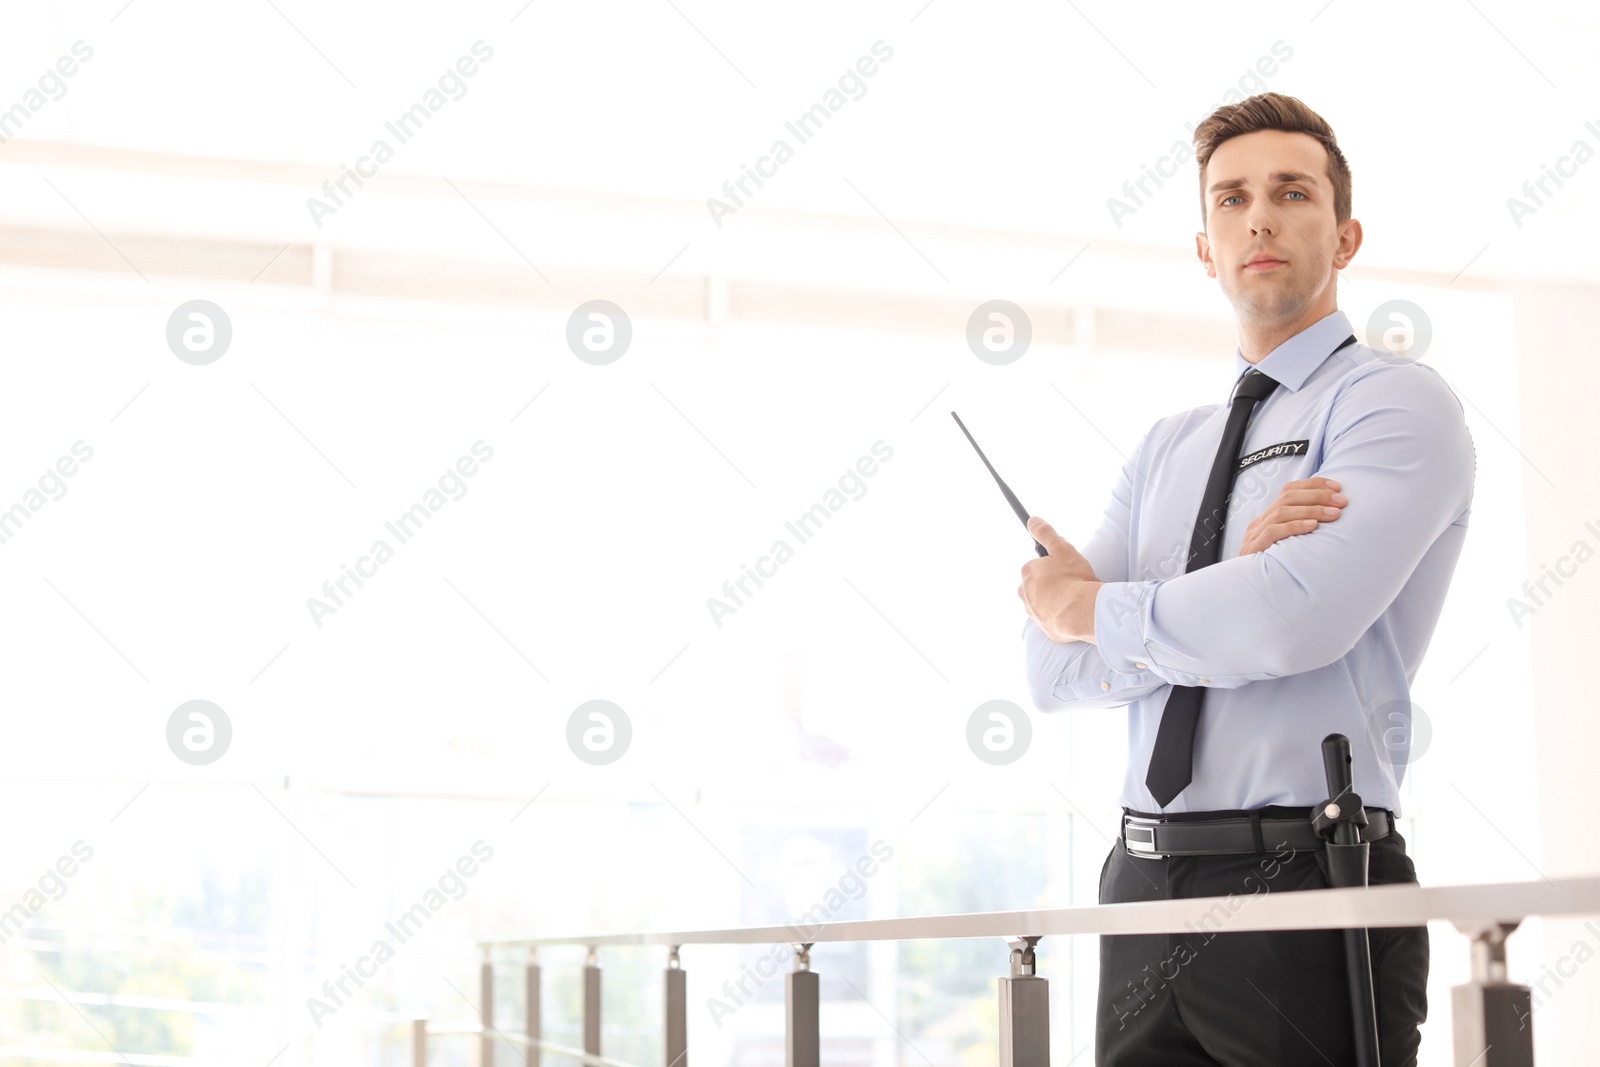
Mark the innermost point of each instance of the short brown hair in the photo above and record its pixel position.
(1272, 111)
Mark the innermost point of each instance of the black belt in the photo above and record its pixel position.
(1156, 836)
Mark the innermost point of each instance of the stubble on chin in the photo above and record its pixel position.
(1267, 303)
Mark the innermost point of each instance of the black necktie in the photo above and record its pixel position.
(1172, 759)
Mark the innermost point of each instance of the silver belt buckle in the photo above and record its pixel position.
(1139, 837)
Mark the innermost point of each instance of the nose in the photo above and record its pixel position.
(1263, 218)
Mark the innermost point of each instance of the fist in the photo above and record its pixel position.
(1300, 507)
(1059, 589)
(1063, 562)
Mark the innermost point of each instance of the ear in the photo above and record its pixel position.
(1349, 243)
(1202, 250)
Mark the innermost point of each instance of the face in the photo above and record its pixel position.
(1271, 240)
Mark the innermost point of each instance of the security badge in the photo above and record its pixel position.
(1286, 448)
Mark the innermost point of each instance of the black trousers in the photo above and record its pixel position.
(1211, 998)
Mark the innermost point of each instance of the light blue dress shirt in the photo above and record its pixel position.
(1323, 631)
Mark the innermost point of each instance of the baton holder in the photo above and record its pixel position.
(1338, 821)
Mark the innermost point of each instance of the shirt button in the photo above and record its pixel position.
(1141, 666)
(1205, 681)
(1105, 685)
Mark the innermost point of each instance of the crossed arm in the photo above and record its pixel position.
(1397, 441)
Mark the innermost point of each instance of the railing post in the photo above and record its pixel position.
(1492, 1018)
(676, 1012)
(1024, 1010)
(486, 998)
(419, 1043)
(802, 1041)
(591, 1002)
(531, 1026)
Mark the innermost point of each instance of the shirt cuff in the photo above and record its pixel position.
(1121, 611)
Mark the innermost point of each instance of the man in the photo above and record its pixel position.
(1239, 635)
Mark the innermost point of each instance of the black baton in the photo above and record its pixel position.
(1011, 498)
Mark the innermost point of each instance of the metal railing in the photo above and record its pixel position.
(1482, 1009)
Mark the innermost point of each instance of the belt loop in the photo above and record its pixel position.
(1255, 829)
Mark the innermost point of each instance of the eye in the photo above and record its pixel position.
(1226, 199)
(1298, 193)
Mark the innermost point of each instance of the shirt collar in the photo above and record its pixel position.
(1292, 362)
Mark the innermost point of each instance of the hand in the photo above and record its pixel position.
(1298, 510)
(1059, 589)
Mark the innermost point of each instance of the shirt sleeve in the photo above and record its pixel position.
(1074, 674)
(1397, 442)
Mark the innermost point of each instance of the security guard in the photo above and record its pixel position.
(1239, 627)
